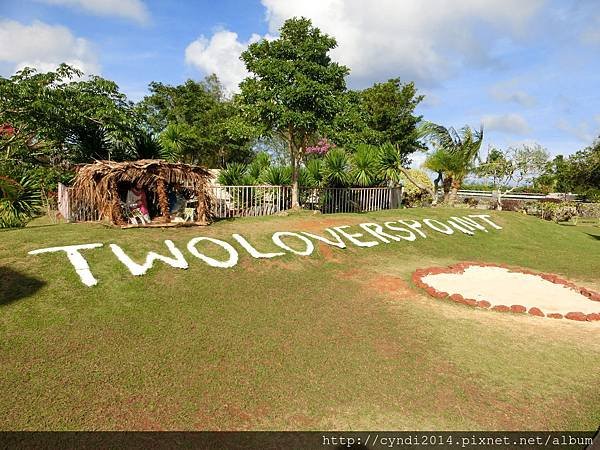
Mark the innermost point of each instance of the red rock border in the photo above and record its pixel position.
(519, 309)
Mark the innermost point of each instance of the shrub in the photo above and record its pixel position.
(471, 202)
(512, 205)
(558, 212)
(413, 195)
(589, 210)
(19, 202)
(232, 175)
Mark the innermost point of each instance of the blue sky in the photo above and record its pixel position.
(526, 69)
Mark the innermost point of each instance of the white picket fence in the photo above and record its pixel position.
(243, 201)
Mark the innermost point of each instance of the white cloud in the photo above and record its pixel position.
(582, 130)
(506, 123)
(44, 47)
(127, 9)
(220, 54)
(416, 40)
(508, 91)
(421, 41)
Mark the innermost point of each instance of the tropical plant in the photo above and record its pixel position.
(277, 176)
(261, 161)
(336, 168)
(314, 172)
(391, 170)
(19, 203)
(232, 175)
(147, 146)
(454, 155)
(175, 141)
(365, 165)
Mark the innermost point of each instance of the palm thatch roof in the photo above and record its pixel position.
(97, 184)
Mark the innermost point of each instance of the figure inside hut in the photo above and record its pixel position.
(137, 201)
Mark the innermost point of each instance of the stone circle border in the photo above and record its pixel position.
(534, 311)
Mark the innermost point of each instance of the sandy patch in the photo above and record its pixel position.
(500, 286)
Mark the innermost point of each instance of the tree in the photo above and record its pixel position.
(57, 119)
(208, 127)
(294, 88)
(579, 173)
(513, 167)
(453, 156)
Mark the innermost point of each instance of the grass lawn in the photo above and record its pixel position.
(340, 339)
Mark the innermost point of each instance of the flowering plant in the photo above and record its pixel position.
(321, 148)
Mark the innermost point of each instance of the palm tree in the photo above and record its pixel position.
(336, 168)
(391, 170)
(453, 157)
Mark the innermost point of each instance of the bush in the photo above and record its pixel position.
(558, 212)
(471, 202)
(19, 203)
(589, 210)
(512, 205)
(413, 195)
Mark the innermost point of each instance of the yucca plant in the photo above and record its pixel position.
(261, 162)
(277, 176)
(336, 168)
(232, 175)
(20, 202)
(364, 166)
(174, 141)
(314, 173)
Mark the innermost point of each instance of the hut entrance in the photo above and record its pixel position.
(145, 192)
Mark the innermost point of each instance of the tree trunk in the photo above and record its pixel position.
(499, 204)
(163, 201)
(295, 190)
(436, 186)
(446, 186)
(454, 187)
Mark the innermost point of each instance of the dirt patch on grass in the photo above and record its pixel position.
(328, 253)
(319, 224)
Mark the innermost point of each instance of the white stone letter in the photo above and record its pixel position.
(484, 217)
(77, 260)
(377, 230)
(309, 245)
(413, 225)
(438, 226)
(338, 240)
(136, 269)
(410, 237)
(233, 254)
(352, 237)
(250, 249)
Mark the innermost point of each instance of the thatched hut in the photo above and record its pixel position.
(103, 185)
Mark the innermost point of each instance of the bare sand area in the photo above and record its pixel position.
(500, 286)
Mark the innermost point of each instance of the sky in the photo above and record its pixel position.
(528, 70)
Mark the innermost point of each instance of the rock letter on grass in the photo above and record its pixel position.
(77, 260)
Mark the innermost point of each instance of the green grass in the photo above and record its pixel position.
(337, 340)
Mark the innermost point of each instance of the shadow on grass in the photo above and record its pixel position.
(594, 236)
(15, 285)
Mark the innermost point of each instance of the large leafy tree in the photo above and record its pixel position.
(57, 118)
(579, 173)
(197, 123)
(453, 157)
(294, 89)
